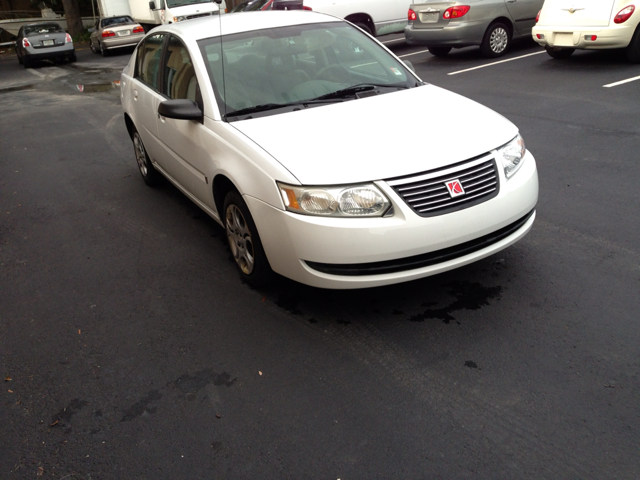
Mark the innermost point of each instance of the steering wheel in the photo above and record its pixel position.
(334, 73)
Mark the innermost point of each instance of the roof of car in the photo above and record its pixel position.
(244, 22)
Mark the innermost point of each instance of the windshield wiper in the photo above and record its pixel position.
(273, 106)
(351, 91)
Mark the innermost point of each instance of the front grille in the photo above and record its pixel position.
(424, 260)
(191, 17)
(427, 194)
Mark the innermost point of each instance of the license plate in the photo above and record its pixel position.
(47, 43)
(564, 39)
(124, 33)
(429, 17)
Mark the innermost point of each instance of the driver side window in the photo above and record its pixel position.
(179, 75)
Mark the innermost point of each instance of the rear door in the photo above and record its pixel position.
(523, 13)
(578, 13)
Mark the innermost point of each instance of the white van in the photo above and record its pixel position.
(566, 25)
(376, 17)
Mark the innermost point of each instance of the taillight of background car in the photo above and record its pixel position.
(456, 12)
(108, 33)
(67, 39)
(138, 29)
(538, 16)
(624, 14)
(25, 43)
(412, 15)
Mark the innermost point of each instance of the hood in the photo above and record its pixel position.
(379, 137)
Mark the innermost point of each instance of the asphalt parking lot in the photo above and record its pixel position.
(129, 347)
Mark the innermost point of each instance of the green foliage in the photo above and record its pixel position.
(83, 37)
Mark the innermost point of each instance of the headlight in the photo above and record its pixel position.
(344, 201)
(512, 155)
(179, 19)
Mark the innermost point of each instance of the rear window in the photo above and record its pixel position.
(40, 29)
(111, 22)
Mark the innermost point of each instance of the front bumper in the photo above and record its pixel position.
(49, 53)
(305, 248)
(564, 36)
(122, 42)
(455, 34)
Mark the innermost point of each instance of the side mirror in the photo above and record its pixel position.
(180, 110)
(409, 65)
(152, 5)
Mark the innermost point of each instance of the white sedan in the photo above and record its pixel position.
(325, 158)
(566, 25)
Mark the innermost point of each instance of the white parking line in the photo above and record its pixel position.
(395, 40)
(414, 53)
(36, 73)
(621, 82)
(496, 63)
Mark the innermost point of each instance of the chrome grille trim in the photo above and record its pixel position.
(427, 195)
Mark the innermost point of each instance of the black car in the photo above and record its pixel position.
(44, 41)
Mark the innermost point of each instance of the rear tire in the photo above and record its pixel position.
(633, 50)
(364, 27)
(92, 46)
(149, 174)
(104, 51)
(244, 241)
(439, 51)
(559, 53)
(496, 40)
(19, 58)
(73, 58)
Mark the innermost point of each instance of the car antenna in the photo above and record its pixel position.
(224, 82)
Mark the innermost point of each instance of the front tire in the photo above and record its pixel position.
(633, 50)
(244, 241)
(559, 53)
(439, 51)
(496, 40)
(149, 174)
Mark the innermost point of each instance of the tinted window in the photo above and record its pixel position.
(111, 22)
(38, 29)
(179, 74)
(148, 61)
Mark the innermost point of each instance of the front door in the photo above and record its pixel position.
(523, 13)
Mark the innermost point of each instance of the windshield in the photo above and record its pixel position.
(180, 3)
(43, 28)
(267, 69)
(250, 5)
(110, 22)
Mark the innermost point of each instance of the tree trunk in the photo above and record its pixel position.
(72, 14)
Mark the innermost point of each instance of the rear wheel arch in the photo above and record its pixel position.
(507, 22)
(362, 20)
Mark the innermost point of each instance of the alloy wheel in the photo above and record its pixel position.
(240, 239)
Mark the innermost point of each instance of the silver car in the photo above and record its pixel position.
(492, 24)
(113, 33)
(44, 41)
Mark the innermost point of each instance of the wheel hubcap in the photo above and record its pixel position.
(240, 239)
(498, 40)
(141, 157)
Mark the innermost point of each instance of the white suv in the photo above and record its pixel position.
(565, 25)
